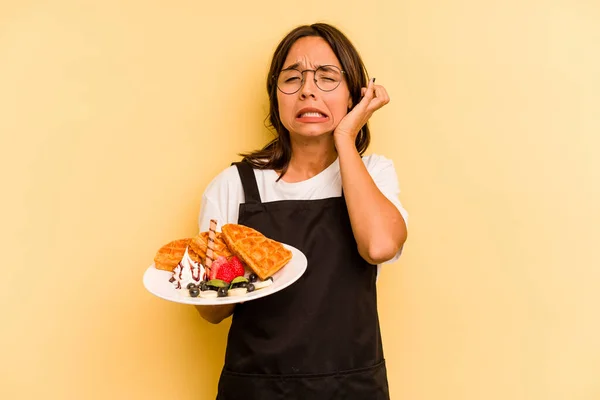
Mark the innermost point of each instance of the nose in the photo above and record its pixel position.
(309, 86)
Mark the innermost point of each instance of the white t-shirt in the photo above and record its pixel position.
(223, 196)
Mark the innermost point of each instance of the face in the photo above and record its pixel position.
(311, 112)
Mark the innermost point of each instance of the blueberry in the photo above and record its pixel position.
(191, 285)
(194, 291)
(253, 278)
(203, 286)
(250, 287)
(239, 285)
(222, 292)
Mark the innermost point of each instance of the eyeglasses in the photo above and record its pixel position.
(327, 78)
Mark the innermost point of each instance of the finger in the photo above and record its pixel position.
(377, 102)
(371, 87)
(367, 95)
(374, 87)
(381, 93)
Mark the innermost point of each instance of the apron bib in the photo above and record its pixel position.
(319, 338)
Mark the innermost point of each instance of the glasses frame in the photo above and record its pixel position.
(314, 71)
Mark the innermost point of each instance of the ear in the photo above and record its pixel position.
(349, 102)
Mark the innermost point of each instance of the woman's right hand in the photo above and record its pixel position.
(374, 97)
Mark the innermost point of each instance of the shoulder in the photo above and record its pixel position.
(377, 164)
(384, 174)
(224, 184)
(227, 185)
(221, 199)
(227, 176)
(377, 160)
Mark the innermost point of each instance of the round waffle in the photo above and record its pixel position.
(169, 255)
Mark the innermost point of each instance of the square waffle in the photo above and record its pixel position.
(263, 255)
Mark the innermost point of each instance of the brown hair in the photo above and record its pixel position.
(277, 153)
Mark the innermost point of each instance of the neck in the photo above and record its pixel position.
(309, 158)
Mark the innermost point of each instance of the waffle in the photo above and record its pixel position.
(170, 254)
(199, 245)
(263, 255)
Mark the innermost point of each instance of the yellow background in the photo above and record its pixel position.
(115, 115)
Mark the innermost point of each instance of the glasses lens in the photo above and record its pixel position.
(328, 77)
(289, 81)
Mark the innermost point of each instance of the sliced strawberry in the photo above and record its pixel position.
(237, 266)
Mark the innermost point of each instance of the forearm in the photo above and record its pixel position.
(378, 226)
(215, 314)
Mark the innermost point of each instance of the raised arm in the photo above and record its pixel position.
(378, 226)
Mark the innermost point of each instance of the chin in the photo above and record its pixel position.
(312, 132)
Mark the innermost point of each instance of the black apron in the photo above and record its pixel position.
(319, 338)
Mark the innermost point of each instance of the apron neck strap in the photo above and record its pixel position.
(248, 182)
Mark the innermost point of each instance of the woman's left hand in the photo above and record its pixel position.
(374, 97)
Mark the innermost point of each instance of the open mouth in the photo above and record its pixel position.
(313, 114)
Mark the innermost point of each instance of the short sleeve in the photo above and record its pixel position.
(209, 210)
(384, 175)
(221, 200)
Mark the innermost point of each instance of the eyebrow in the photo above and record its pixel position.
(293, 66)
(299, 63)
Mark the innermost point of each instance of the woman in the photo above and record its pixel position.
(310, 188)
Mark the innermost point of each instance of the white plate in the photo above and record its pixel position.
(157, 282)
